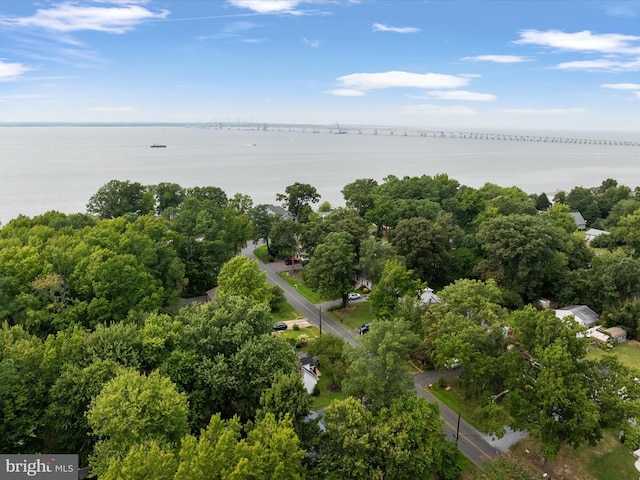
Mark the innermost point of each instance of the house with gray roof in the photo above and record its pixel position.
(581, 313)
(579, 219)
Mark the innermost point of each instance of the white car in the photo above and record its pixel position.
(353, 296)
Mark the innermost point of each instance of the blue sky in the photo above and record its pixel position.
(491, 65)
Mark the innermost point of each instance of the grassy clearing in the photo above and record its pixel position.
(291, 334)
(628, 353)
(452, 397)
(287, 312)
(356, 314)
(299, 285)
(326, 396)
(608, 460)
(262, 254)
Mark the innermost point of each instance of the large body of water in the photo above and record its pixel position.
(59, 168)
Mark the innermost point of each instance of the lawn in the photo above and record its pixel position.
(356, 314)
(608, 460)
(262, 254)
(326, 396)
(298, 284)
(287, 312)
(451, 395)
(628, 353)
(290, 333)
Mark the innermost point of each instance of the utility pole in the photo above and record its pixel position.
(320, 312)
(458, 429)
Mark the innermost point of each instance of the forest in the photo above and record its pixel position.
(101, 355)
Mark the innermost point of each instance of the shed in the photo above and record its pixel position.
(581, 313)
(428, 297)
(579, 219)
(593, 233)
(618, 334)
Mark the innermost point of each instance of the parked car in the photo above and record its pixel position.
(354, 296)
(280, 326)
(291, 260)
(364, 328)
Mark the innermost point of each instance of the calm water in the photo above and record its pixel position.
(59, 168)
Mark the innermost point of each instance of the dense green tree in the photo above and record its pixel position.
(332, 353)
(69, 400)
(117, 197)
(521, 253)
(283, 236)
(270, 450)
(297, 196)
(373, 258)
(427, 247)
(168, 195)
(144, 461)
(404, 441)
(360, 195)
(133, 409)
(332, 267)
(378, 372)
(261, 221)
(616, 279)
(396, 282)
(542, 202)
(242, 277)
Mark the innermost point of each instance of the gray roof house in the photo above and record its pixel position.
(593, 233)
(277, 210)
(580, 221)
(581, 313)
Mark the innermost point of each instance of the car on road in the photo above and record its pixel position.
(280, 326)
(354, 296)
(291, 260)
(363, 329)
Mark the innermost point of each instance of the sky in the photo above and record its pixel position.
(489, 65)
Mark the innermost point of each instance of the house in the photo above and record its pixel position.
(618, 334)
(581, 313)
(361, 281)
(428, 297)
(309, 376)
(579, 219)
(593, 233)
(277, 210)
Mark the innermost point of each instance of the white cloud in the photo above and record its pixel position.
(603, 65)
(584, 41)
(627, 9)
(112, 109)
(311, 43)
(622, 86)
(497, 58)
(268, 6)
(439, 110)
(12, 71)
(68, 17)
(374, 81)
(461, 95)
(346, 92)
(380, 27)
(544, 111)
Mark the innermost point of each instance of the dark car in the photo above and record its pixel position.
(364, 328)
(291, 260)
(280, 326)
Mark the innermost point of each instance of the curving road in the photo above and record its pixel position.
(473, 444)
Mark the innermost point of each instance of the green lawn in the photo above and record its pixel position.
(616, 464)
(287, 312)
(453, 398)
(354, 315)
(262, 254)
(306, 292)
(290, 333)
(326, 396)
(628, 353)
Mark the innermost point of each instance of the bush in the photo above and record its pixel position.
(316, 390)
(302, 341)
(296, 326)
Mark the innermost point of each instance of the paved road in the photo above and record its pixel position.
(473, 444)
